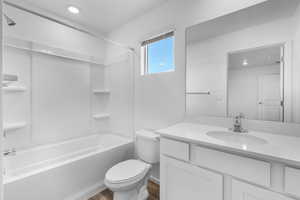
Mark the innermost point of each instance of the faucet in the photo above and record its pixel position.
(237, 124)
(10, 152)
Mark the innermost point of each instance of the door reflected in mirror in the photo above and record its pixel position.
(255, 83)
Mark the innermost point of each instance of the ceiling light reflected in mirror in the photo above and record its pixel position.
(73, 9)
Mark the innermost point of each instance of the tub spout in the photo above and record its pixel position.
(9, 152)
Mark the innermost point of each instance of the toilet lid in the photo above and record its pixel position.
(127, 171)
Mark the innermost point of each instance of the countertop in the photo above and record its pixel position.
(279, 148)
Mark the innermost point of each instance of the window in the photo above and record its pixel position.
(158, 54)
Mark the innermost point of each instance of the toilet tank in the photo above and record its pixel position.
(147, 146)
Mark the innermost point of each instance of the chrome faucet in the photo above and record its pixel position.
(237, 124)
(10, 152)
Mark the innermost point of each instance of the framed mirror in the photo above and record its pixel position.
(246, 63)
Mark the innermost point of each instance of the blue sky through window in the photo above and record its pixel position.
(161, 56)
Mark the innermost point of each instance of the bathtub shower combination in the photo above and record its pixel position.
(67, 109)
(64, 170)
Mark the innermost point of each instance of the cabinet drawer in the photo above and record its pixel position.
(252, 170)
(175, 149)
(292, 181)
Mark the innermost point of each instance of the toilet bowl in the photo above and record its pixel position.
(128, 179)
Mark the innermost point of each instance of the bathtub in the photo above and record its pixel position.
(71, 170)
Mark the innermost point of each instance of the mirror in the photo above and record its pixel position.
(246, 63)
(254, 83)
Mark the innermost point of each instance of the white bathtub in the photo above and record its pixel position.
(71, 170)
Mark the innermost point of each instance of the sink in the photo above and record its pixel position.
(243, 139)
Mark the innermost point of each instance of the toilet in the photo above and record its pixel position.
(128, 179)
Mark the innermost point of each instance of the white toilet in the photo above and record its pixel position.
(128, 179)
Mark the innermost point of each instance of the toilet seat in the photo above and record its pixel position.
(128, 171)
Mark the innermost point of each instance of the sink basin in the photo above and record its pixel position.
(237, 138)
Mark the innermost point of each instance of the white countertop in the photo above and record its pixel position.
(278, 148)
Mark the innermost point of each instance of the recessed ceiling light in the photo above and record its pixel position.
(73, 9)
(245, 62)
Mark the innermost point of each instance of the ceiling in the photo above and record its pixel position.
(101, 16)
(255, 57)
(252, 16)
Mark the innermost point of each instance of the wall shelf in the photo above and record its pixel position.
(101, 116)
(101, 91)
(14, 126)
(14, 89)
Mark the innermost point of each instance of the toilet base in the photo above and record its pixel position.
(136, 194)
(142, 194)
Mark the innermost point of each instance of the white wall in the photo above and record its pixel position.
(59, 102)
(160, 98)
(296, 67)
(56, 103)
(207, 63)
(33, 28)
(243, 89)
(16, 106)
(60, 99)
(121, 84)
(1, 123)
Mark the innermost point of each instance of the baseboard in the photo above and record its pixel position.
(88, 192)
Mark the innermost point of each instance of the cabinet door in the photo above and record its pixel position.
(180, 180)
(244, 191)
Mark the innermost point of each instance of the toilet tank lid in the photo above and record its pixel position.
(147, 134)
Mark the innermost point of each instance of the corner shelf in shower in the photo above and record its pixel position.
(36, 47)
(101, 91)
(101, 116)
(14, 126)
(14, 89)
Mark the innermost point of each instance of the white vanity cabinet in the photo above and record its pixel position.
(244, 191)
(195, 172)
(292, 181)
(180, 180)
(252, 170)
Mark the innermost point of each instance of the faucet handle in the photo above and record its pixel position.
(10, 152)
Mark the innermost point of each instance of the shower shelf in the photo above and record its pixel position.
(14, 89)
(13, 126)
(101, 91)
(101, 116)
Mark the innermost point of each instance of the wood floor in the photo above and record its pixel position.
(153, 190)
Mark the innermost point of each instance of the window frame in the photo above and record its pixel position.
(144, 52)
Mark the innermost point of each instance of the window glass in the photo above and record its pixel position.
(158, 55)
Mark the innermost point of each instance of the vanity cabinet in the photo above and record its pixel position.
(180, 180)
(252, 170)
(244, 191)
(194, 172)
(292, 181)
(175, 149)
